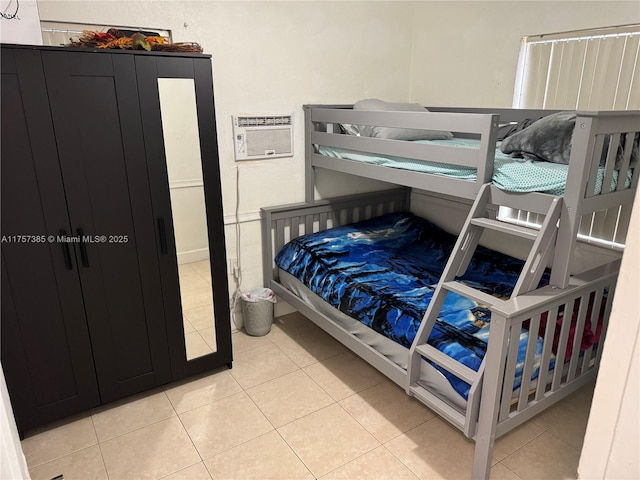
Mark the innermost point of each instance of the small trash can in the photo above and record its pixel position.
(257, 310)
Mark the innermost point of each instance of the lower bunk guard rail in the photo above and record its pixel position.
(281, 224)
(565, 331)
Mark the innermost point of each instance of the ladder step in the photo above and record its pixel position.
(444, 409)
(472, 293)
(459, 370)
(505, 227)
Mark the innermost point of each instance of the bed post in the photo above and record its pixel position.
(495, 360)
(267, 248)
(583, 144)
(309, 172)
(488, 140)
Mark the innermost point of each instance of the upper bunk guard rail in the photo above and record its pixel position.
(592, 130)
(592, 187)
(322, 127)
(507, 115)
(444, 121)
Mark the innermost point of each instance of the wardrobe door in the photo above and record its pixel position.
(176, 98)
(94, 105)
(46, 352)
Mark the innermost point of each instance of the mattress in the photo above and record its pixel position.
(509, 174)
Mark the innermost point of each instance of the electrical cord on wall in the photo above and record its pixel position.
(237, 270)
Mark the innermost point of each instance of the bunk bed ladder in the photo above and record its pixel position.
(479, 219)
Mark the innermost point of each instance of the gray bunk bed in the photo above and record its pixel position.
(600, 176)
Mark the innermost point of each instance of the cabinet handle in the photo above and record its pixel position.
(162, 232)
(83, 249)
(66, 253)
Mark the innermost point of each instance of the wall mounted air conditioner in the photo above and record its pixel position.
(262, 136)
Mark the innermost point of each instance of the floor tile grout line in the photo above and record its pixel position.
(523, 446)
(373, 435)
(500, 463)
(319, 386)
(302, 346)
(204, 404)
(234, 446)
(221, 452)
(309, 365)
(275, 429)
(263, 382)
(564, 441)
(354, 418)
(295, 419)
(259, 409)
(296, 453)
(179, 470)
(56, 459)
(353, 459)
(355, 392)
(417, 474)
(302, 369)
(60, 456)
(104, 463)
(358, 422)
(191, 440)
(306, 415)
(155, 422)
(195, 378)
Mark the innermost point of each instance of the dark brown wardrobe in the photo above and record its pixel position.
(91, 299)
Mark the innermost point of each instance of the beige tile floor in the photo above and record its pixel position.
(197, 306)
(296, 405)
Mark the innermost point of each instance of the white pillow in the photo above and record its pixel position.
(373, 104)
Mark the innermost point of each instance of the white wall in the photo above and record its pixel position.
(612, 440)
(465, 53)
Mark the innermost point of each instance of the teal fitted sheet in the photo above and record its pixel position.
(510, 174)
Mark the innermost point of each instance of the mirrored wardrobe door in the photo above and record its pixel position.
(179, 123)
(188, 211)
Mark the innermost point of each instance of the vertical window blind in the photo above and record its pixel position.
(596, 69)
(583, 70)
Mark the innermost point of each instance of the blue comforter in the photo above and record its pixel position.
(383, 273)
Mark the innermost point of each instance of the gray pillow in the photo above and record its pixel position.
(373, 104)
(547, 139)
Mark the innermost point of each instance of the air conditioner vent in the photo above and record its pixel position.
(264, 121)
(262, 136)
